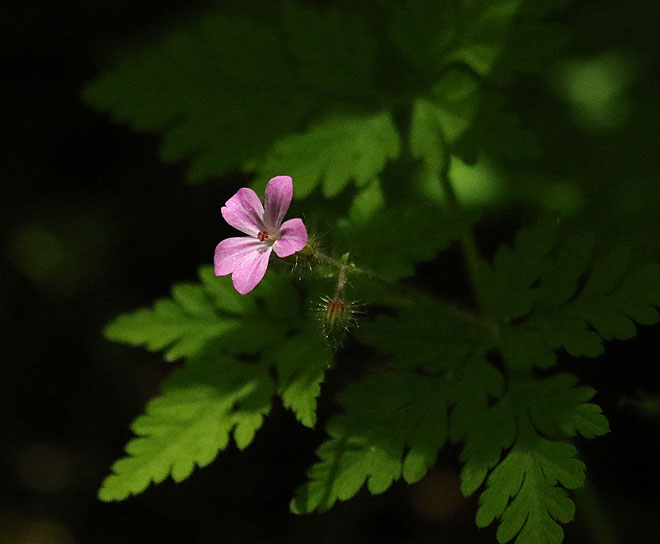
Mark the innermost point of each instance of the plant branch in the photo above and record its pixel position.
(471, 253)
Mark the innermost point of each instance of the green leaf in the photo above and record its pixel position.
(393, 425)
(190, 422)
(215, 393)
(527, 489)
(509, 282)
(182, 325)
(557, 408)
(485, 428)
(333, 153)
(212, 312)
(484, 31)
(427, 336)
(300, 363)
(616, 295)
(440, 119)
(538, 287)
(222, 89)
(334, 50)
(528, 477)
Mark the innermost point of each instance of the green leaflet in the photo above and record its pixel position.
(300, 363)
(529, 476)
(485, 428)
(392, 425)
(427, 336)
(191, 421)
(198, 314)
(272, 93)
(332, 153)
(214, 393)
(220, 89)
(440, 119)
(523, 490)
(539, 290)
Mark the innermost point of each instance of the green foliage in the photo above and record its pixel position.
(200, 406)
(332, 153)
(567, 300)
(219, 88)
(198, 314)
(374, 119)
(215, 395)
(513, 427)
(393, 425)
(524, 488)
(300, 90)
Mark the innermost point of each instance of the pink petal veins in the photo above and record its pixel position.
(244, 212)
(279, 193)
(293, 237)
(230, 253)
(250, 269)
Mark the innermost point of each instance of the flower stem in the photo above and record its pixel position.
(344, 267)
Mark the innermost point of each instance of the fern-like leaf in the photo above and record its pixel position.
(210, 323)
(539, 297)
(332, 153)
(527, 489)
(393, 425)
(190, 422)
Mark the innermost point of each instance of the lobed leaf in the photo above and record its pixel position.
(333, 153)
(210, 312)
(548, 299)
(300, 363)
(190, 422)
(210, 323)
(392, 425)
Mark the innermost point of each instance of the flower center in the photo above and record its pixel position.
(263, 236)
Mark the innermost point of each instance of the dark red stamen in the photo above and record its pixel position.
(263, 235)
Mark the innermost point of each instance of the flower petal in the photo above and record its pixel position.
(244, 212)
(231, 252)
(279, 193)
(250, 269)
(293, 237)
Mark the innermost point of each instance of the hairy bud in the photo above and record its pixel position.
(337, 317)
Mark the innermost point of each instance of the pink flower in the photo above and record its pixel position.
(246, 257)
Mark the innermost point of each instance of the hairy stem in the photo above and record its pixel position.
(344, 268)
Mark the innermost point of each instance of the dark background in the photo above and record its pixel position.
(94, 224)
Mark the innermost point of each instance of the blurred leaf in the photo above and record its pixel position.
(335, 51)
(222, 89)
(332, 153)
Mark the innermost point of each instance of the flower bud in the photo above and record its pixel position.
(337, 317)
